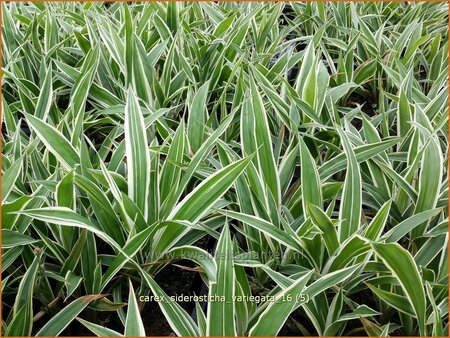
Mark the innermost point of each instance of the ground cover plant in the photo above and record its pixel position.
(285, 163)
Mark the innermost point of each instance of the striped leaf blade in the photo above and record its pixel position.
(221, 313)
(133, 324)
(401, 264)
(55, 142)
(198, 202)
(137, 153)
(350, 210)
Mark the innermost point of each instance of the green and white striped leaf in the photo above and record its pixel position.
(274, 316)
(137, 154)
(350, 210)
(197, 203)
(55, 142)
(133, 324)
(402, 265)
(64, 317)
(221, 314)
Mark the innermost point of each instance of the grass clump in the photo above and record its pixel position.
(290, 157)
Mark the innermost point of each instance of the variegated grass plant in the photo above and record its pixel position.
(308, 140)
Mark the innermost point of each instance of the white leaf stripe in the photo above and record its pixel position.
(138, 157)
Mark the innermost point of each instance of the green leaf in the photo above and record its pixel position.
(398, 302)
(404, 227)
(275, 315)
(66, 197)
(66, 217)
(350, 210)
(327, 227)
(103, 210)
(401, 264)
(221, 313)
(176, 316)
(267, 228)
(133, 324)
(45, 96)
(378, 223)
(72, 281)
(130, 249)
(23, 304)
(11, 239)
(56, 143)
(429, 182)
(171, 171)
(264, 151)
(20, 325)
(63, 318)
(137, 153)
(80, 91)
(9, 178)
(362, 153)
(199, 156)
(99, 330)
(328, 280)
(197, 117)
(196, 204)
(359, 312)
(311, 190)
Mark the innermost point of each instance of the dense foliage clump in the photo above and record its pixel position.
(284, 162)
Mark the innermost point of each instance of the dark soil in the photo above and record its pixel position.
(367, 106)
(290, 328)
